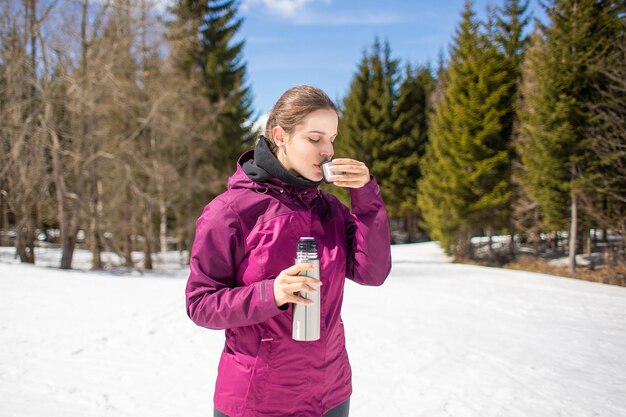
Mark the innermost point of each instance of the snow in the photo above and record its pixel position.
(437, 339)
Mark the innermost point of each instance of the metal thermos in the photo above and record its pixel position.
(306, 318)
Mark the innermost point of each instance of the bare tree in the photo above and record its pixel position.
(101, 130)
(22, 160)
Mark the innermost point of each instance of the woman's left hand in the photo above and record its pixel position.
(355, 173)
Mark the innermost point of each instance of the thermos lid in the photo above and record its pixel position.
(307, 244)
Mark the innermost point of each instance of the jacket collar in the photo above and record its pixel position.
(265, 166)
(263, 183)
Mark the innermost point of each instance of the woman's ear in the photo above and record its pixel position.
(280, 136)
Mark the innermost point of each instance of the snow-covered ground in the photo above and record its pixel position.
(438, 339)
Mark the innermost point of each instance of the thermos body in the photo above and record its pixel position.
(306, 318)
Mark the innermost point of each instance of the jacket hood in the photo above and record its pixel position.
(264, 166)
(259, 169)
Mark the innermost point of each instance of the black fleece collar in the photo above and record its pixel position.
(266, 166)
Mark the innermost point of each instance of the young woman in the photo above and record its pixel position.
(242, 273)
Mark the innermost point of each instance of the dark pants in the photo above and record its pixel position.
(342, 410)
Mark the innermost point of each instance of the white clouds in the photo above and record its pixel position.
(282, 7)
(304, 12)
(300, 13)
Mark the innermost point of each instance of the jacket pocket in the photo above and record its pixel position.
(234, 376)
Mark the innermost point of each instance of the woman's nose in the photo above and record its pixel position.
(328, 152)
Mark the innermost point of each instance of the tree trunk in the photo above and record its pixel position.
(71, 228)
(4, 218)
(588, 241)
(147, 240)
(180, 247)
(128, 251)
(95, 245)
(68, 243)
(162, 226)
(94, 223)
(557, 242)
(573, 235)
(68, 239)
(512, 240)
(73, 222)
(594, 240)
(552, 238)
(190, 235)
(128, 247)
(24, 243)
(464, 248)
(410, 224)
(72, 211)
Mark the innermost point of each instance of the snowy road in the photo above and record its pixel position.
(438, 339)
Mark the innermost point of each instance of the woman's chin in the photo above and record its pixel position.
(314, 177)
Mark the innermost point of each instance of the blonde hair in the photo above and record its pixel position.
(293, 106)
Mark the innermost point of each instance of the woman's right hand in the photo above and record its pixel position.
(288, 283)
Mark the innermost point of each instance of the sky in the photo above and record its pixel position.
(320, 42)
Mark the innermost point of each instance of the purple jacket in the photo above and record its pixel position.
(244, 238)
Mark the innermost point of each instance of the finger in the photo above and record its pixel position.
(346, 161)
(351, 175)
(313, 282)
(348, 168)
(301, 279)
(348, 184)
(292, 298)
(297, 268)
(348, 178)
(298, 286)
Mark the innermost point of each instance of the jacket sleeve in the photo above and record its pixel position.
(213, 298)
(368, 237)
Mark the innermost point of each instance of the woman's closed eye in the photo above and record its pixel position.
(314, 140)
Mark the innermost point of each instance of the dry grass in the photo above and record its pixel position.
(603, 274)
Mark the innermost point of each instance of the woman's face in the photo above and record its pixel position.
(310, 144)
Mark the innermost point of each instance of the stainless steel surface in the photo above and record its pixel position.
(306, 318)
(326, 172)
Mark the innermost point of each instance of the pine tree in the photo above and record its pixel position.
(465, 187)
(225, 80)
(510, 21)
(606, 204)
(367, 127)
(193, 118)
(408, 145)
(209, 52)
(354, 118)
(526, 212)
(380, 136)
(440, 81)
(556, 149)
(353, 122)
